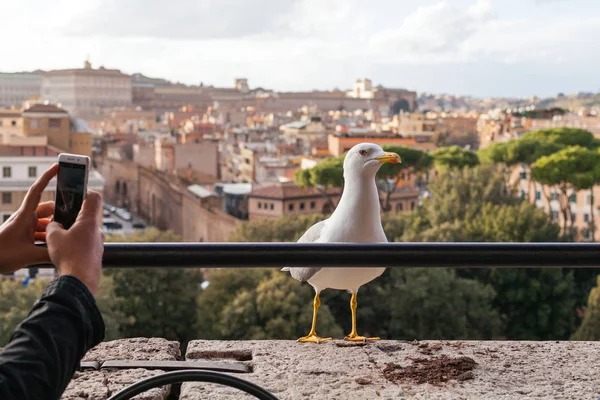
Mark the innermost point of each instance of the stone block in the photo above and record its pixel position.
(99, 385)
(450, 370)
(135, 349)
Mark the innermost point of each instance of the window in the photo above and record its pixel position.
(13, 123)
(54, 123)
(588, 199)
(32, 172)
(259, 204)
(302, 206)
(573, 217)
(538, 195)
(35, 123)
(291, 207)
(523, 175)
(412, 205)
(6, 172)
(6, 197)
(573, 198)
(5, 217)
(313, 205)
(554, 215)
(522, 194)
(272, 206)
(553, 196)
(586, 217)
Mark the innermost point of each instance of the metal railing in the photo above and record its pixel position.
(249, 255)
(275, 254)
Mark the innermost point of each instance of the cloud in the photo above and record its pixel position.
(436, 31)
(207, 19)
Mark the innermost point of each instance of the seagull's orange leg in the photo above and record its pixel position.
(353, 337)
(312, 335)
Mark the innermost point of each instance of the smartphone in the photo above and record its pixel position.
(71, 187)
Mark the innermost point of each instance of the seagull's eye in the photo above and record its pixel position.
(362, 152)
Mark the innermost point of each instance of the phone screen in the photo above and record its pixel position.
(69, 193)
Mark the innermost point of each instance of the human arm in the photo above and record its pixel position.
(65, 323)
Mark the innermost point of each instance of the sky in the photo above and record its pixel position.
(512, 48)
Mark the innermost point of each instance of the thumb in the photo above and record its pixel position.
(54, 229)
(91, 208)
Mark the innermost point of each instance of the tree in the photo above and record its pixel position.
(284, 229)
(536, 303)
(454, 157)
(259, 304)
(435, 303)
(389, 175)
(564, 137)
(590, 326)
(566, 171)
(15, 304)
(155, 301)
(324, 176)
(585, 174)
(474, 204)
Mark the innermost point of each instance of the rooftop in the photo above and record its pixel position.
(286, 191)
(448, 370)
(200, 191)
(45, 108)
(29, 151)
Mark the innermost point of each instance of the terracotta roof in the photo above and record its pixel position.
(286, 191)
(29, 151)
(10, 114)
(45, 108)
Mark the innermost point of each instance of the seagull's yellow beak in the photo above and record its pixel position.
(388, 157)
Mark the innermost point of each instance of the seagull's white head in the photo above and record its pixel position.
(365, 159)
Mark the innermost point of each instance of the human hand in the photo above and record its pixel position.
(78, 251)
(28, 224)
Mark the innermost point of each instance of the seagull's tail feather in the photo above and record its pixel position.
(285, 269)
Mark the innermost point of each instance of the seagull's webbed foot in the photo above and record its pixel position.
(313, 338)
(353, 337)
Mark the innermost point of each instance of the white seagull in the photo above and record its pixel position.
(357, 219)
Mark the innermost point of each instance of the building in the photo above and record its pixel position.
(45, 124)
(171, 204)
(416, 125)
(338, 144)
(301, 134)
(288, 199)
(15, 88)
(549, 199)
(234, 197)
(67, 133)
(200, 158)
(82, 91)
(20, 166)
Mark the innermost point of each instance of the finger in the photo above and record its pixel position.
(92, 207)
(54, 229)
(42, 223)
(45, 209)
(39, 255)
(34, 194)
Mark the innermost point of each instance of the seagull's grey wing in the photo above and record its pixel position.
(310, 236)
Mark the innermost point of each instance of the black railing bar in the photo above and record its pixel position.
(251, 255)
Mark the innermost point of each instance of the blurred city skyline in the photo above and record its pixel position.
(465, 47)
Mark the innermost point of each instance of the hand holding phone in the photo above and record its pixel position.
(71, 187)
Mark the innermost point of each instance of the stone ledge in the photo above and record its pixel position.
(376, 370)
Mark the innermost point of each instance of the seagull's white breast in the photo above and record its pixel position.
(344, 278)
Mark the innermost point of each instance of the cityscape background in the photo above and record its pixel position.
(228, 121)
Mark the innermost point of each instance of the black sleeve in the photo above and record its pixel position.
(47, 347)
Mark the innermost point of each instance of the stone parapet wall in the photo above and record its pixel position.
(340, 370)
